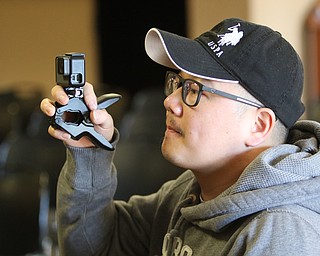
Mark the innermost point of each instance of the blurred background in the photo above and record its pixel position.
(111, 34)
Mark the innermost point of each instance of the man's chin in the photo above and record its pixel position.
(171, 154)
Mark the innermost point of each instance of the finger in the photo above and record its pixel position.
(103, 123)
(101, 117)
(47, 107)
(90, 97)
(59, 95)
(59, 134)
(66, 138)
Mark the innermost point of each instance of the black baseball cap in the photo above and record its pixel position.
(238, 51)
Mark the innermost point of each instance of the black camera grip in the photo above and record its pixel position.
(74, 119)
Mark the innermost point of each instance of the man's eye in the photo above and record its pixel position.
(194, 91)
(193, 88)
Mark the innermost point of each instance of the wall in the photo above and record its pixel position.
(33, 32)
(286, 16)
(203, 14)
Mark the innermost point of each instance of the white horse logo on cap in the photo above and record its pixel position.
(231, 38)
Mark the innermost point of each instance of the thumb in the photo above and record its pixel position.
(103, 122)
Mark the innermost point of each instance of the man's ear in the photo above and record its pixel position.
(263, 124)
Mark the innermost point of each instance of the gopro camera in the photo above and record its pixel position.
(70, 70)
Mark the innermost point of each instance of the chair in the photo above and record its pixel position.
(24, 212)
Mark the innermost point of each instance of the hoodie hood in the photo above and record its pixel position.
(282, 175)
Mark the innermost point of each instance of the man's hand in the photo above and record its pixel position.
(103, 122)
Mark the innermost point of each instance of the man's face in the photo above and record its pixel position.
(207, 135)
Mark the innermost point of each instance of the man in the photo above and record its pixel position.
(249, 189)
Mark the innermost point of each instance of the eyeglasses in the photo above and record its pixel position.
(192, 90)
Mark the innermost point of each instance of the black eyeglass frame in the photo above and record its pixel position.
(202, 87)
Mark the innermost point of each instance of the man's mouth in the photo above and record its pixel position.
(172, 127)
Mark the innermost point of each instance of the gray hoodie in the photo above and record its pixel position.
(273, 208)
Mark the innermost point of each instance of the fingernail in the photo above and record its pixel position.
(94, 114)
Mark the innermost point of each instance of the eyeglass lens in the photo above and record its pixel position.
(190, 89)
(190, 92)
(172, 83)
